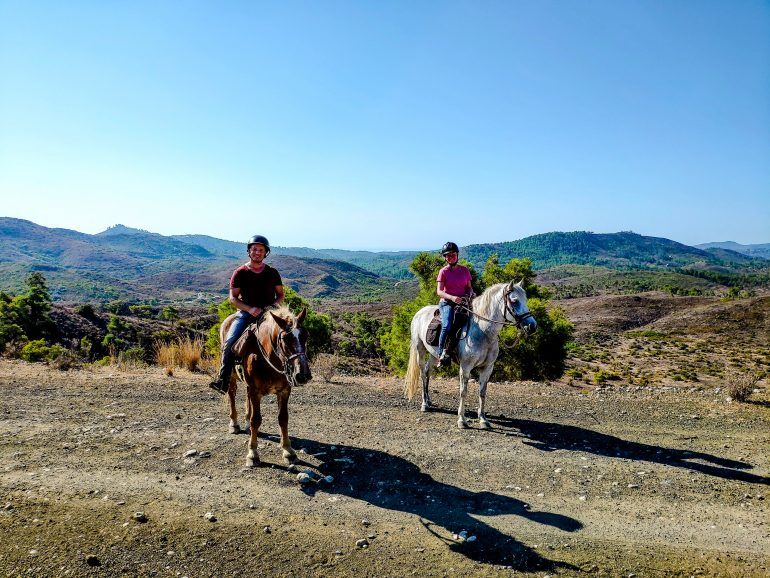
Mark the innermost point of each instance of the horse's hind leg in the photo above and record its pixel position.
(426, 363)
(252, 458)
(231, 392)
(464, 376)
(483, 381)
(283, 423)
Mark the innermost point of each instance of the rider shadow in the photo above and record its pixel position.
(555, 436)
(393, 483)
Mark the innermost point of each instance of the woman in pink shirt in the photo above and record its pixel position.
(453, 284)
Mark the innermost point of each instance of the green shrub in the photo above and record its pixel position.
(143, 311)
(37, 350)
(86, 310)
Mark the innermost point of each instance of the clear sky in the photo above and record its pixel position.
(387, 124)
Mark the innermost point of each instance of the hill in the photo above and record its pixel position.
(624, 250)
(126, 263)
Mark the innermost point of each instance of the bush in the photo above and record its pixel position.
(143, 311)
(37, 350)
(325, 365)
(26, 316)
(538, 356)
(741, 386)
(87, 311)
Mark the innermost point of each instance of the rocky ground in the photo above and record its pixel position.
(571, 480)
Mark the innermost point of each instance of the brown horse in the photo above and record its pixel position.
(272, 363)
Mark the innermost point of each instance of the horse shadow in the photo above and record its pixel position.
(549, 437)
(394, 483)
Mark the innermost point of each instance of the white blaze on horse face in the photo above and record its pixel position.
(295, 333)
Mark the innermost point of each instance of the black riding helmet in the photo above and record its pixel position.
(259, 239)
(449, 247)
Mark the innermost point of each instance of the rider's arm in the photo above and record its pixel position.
(235, 299)
(279, 295)
(444, 295)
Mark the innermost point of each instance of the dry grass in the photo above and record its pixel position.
(741, 385)
(185, 352)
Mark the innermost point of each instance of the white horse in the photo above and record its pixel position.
(501, 304)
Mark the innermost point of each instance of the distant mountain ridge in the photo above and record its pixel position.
(126, 263)
(123, 261)
(756, 250)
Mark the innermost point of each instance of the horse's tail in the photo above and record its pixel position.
(412, 377)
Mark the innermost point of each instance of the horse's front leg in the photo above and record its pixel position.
(464, 376)
(283, 423)
(483, 380)
(252, 458)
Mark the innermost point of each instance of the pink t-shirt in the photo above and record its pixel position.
(455, 280)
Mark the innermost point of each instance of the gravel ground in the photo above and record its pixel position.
(99, 477)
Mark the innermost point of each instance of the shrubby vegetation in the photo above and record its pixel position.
(26, 317)
(537, 356)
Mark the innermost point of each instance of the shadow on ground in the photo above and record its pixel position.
(548, 437)
(393, 483)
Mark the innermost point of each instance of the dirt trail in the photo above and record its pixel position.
(569, 482)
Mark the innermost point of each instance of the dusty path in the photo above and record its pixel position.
(569, 481)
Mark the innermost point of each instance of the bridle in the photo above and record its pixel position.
(284, 359)
(518, 318)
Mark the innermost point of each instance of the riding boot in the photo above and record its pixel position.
(222, 382)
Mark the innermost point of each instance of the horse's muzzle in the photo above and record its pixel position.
(303, 377)
(529, 325)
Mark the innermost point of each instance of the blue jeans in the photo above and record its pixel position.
(447, 312)
(242, 321)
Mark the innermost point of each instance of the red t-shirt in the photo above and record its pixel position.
(455, 279)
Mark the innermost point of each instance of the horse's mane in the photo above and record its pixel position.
(483, 303)
(282, 312)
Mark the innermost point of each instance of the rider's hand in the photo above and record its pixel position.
(255, 311)
(458, 300)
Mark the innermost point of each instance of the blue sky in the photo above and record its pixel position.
(393, 125)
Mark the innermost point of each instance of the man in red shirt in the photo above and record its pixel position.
(453, 285)
(254, 287)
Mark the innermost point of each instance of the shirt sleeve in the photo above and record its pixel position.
(235, 280)
(278, 280)
(440, 278)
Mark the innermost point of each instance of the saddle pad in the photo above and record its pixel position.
(434, 330)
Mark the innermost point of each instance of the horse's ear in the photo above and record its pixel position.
(519, 284)
(280, 321)
(301, 316)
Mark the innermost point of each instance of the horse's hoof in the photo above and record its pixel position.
(235, 429)
(426, 407)
(289, 457)
(462, 424)
(252, 462)
(484, 424)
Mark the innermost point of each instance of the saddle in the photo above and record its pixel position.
(459, 326)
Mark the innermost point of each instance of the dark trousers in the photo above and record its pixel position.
(242, 321)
